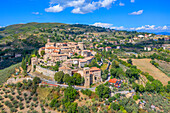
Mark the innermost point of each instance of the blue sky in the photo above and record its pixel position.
(145, 15)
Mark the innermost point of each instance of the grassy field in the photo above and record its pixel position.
(6, 73)
(104, 66)
(43, 92)
(146, 66)
(165, 66)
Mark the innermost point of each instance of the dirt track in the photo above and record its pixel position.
(146, 66)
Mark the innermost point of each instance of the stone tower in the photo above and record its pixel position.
(48, 40)
(34, 62)
(86, 74)
(81, 45)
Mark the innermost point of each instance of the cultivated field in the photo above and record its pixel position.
(165, 66)
(146, 66)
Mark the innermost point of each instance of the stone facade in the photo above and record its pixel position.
(62, 52)
(45, 72)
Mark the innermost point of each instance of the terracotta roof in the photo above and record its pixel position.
(83, 60)
(95, 69)
(51, 48)
(56, 51)
(43, 48)
(50, 43)
(108, 47)
(89, 58)
(113, 80)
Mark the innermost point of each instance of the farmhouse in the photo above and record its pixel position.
(116, 82)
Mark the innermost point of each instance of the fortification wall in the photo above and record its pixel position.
(45, 72)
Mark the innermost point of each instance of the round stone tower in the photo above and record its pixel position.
(81, 45)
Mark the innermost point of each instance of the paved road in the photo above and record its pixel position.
(76, 87)
(79, 88)
(62, 85)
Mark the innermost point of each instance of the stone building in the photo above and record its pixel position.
(63, 52)
(81, 45)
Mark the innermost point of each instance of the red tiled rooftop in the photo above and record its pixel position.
(108, 47)
(51, 48)
(94, 69)
(113, 80)
(55, 51)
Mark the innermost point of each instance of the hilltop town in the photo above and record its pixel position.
(67, 53)
(83, 69)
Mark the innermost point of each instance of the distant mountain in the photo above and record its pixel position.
(163, 33)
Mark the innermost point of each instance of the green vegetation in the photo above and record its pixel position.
(162, 56)
(103, 91)
(76, 79)
(54, 68)
(87, 92)
(6, 73)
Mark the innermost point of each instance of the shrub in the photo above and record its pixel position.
(27, 106)
(5, 96)
(34, 98)
(135, 97)
(18, 97)
(25, 95)
(13, 110)
(1, 98)
(21, 107)
(86, 92)
(13, 93)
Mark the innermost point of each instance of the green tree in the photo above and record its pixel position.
(114, 106)
(42, 53)
(66, 78)
(115, 64)
(149, 87)
(78, 79)
(36, 80)
(23, 64)
(141, 88)
(26, 58)
(72, 108)
(29, 60)
(158, 86)
(167, 88)
(59, 77)
(132, 73)
(70, 94)
(129, 61)
(103, 91)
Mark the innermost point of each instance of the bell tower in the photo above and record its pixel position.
(86, 74)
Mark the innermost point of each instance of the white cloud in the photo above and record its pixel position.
(79, 6)
(132, 1)
(144, 28)
(56, 8)
(99, 24)
(141, 28)
(35, 13)
(106, 3)
(77, 11)
(121, 4)
(165, 27)
(136, 12)
(118, 28)
(76, 3)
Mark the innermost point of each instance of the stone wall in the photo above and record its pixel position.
(45, 72)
